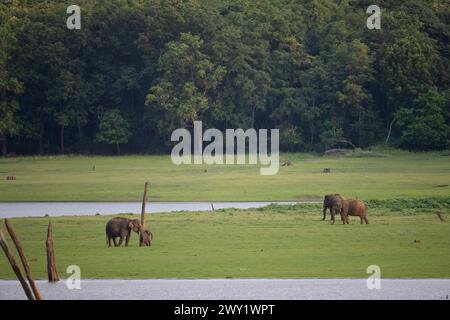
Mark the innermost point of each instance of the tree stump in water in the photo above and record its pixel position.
(15, 267)
(26, 266)
(51, 260)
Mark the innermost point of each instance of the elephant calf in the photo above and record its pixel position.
(121, 228)
(354, 208)
(147, 237)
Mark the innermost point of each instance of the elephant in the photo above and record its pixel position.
(354, 208)
(148, 237)
(121, 227)
(333, 202)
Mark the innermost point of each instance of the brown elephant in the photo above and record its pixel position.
(333, 202)
(121, 228)
(354, 208)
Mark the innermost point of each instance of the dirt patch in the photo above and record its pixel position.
(336, 152)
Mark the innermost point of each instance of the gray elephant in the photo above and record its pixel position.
(121, 228)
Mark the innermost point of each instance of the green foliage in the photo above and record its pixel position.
(425, 125)
(333, 136)
(183, 92)
(113, 129)
(310, 68)
(10, 86)
(433, 204)
(407, 206)
(291, 139)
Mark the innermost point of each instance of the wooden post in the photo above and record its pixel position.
(51, 261)
(142, 238)
(23, 258)
(14, 266)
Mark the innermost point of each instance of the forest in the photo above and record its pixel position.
(137, 70)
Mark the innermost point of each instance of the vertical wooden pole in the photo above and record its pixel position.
(142, 238)
(51, 260)
(14, 266)
(23, 258)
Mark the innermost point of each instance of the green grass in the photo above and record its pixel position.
(72, 178)
(274, 242)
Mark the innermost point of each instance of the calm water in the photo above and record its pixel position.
(239, 289)
(40, 209)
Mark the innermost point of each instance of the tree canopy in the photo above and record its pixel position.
(138, 69)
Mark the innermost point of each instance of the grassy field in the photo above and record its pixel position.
(73, 178)
(404, 192)
(274, 242)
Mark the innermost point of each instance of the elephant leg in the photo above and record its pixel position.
(344, 221)
(127, 240)
(115, 241)
(109, 241)
(365, 219)
(361, 219)
(344, 214)
(341, 213)
(120, 241)
(324, 213)
(332, 216)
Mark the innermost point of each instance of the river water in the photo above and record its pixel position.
(237, 289)
(40, 209)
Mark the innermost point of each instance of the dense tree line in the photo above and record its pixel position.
(139, 69)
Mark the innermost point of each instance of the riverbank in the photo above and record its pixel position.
(272, 242)
(56, 209)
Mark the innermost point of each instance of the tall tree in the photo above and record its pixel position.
(10, 86)
(113, 129)
(425, 125)
(187, 77)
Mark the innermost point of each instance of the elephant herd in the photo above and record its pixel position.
(122, 227)
(338, 204)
